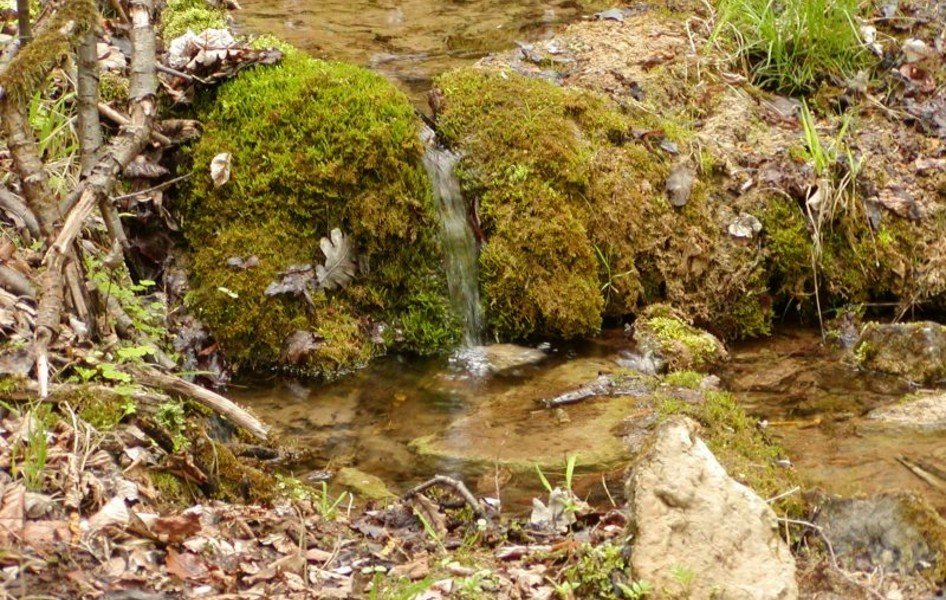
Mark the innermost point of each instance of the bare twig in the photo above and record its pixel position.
(110, 113)
(120, 151)
(458, 486)
(161, 186)
(16, 207)
(205, 397)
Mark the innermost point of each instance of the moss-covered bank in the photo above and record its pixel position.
(571, 195)
(314, 146)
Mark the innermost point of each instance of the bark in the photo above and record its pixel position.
(205, 397)
(23, 19)
(16, 207)
(87, 94)
(15, 282)
(120, 151)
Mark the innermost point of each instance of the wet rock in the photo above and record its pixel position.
(363, 485)
(661, 333)
(919, 411)
(503, 358)
(914, 351)
(893, 532)
(687, 513)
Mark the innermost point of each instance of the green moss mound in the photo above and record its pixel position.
(196, 15)
(569, 189)
(315, 146)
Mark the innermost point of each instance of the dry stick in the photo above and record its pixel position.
(120, 151)
(11, 203)
(922, 473)
(205, 397)
(15, 282)
(458, 486)
(23, 20)
(160, 186)
(110, 113)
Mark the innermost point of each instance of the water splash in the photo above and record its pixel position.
(459, 244)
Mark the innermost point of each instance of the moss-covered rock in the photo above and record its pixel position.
(664, 333)
(315, 146)
(570, 193)
(914, 351)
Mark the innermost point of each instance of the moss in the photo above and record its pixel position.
(314, 146)
(532, 150)
(932, 527)
(686, 379)
(571, 200)
(113, 87)
(104, 410)
(171, 489)
(663, 331)
(739, 444)
(195, 15)
(230, 478)
(594, 570)
(33, 63)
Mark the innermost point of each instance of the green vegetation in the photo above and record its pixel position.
(572, 206)
(315, 146)
(792, 46)
(739, 444)
(685, 379)
(196, 15)
(661, 330)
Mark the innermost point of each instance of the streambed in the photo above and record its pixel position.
(404, 419)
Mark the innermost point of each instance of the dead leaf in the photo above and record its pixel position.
(172, 530)
(115, 512)
(186, 566)
(339, 266)
(220, 169)
(679, 184)
(44, 536)
(415, 570)
(293, 280)
(12, 510)
(144, 168)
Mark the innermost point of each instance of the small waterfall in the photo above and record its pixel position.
(457, 237)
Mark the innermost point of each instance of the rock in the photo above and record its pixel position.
(663, 334)
(893, 532)
(501, 358)
(363, 485)
(917, 411)
(914, 351)
(686, 513)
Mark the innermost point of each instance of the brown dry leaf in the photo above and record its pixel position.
(115, 512)
(172, 530)
(186, 566)
(12, 509)
(414, 570)
(144, 168)
(317, 555)
(43, 536)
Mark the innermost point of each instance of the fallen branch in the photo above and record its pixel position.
(930, 478)
(16, 207)
(205, 397)
(16, 283)
(455, 484)
(110, 113)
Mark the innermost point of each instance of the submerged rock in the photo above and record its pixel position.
(662, 333)
(914, 351)
(687, 515)
(925, 411)
(363, 485)
(893, 532)
(503, 358)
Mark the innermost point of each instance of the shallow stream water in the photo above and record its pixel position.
(410, 41)
(490, 426)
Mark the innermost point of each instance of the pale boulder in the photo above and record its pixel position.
(698, 532)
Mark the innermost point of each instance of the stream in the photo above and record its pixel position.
(490, 427)
(476, 415)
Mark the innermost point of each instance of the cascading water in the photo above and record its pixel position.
(458, 241)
